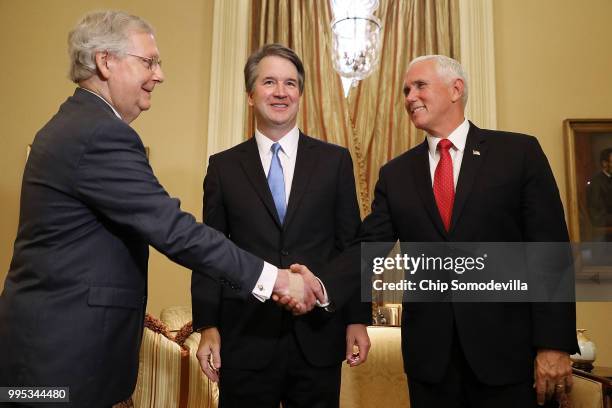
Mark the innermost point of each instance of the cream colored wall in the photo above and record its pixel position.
(554, 61)
(33, 82)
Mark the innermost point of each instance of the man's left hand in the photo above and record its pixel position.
(553, 375)
(357, 336)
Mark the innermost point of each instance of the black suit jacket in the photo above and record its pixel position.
(507, 193)
(71, 313)
(322, 218)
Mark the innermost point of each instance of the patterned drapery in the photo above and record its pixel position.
(372, 122)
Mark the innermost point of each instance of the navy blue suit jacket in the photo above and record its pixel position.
(72, 309)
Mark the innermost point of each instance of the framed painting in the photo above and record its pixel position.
(589, 187)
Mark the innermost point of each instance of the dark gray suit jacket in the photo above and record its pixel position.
(71, 313)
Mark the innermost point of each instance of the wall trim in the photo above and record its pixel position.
(478, 59)
(226, 106)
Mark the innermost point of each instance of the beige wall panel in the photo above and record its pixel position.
(34, 83)
(553, 61)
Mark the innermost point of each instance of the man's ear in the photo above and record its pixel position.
(457, 90)
(103, 63)
(250, 99)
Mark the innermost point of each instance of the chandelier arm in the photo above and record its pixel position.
(372, 19)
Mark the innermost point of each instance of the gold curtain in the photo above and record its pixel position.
(372, 123)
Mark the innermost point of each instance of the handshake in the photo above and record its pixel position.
(298, 290)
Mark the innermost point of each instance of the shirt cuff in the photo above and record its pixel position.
(265, 284)
(319, 304)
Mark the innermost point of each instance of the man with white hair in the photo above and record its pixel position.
(72, 309)
(465, 184)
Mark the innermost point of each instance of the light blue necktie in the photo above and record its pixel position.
(276, 181)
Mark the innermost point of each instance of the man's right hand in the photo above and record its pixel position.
(297, 290)
(281, 293)
(209, 353)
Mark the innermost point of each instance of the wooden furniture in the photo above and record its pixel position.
(597, 383)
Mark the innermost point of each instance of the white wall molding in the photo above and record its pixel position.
(229, 52)
(478, 59)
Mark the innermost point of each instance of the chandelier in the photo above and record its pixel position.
(356, 40)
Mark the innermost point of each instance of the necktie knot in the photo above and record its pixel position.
(445, 144)
(275, 148)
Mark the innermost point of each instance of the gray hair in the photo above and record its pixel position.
(100, 31)
(276, 50)
(448, 68)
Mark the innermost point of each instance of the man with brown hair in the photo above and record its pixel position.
(289, 198)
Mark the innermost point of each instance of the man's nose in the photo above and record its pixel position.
(411, 96)
(158, 74)
(280, 90)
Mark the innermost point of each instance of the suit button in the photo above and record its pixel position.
(284, 252)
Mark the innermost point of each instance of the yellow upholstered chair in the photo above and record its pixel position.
(586, 393)
(160, 368)
(379, 382)
(201, 391)
(169, 375)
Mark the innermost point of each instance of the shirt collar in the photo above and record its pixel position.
(458, 137)
(289, 142)
(105, 101)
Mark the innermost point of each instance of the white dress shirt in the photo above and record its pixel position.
(458, 137)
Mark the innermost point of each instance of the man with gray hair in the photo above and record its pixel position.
(465, 184)
(72, 309)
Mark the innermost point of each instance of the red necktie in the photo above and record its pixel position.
(444, 185)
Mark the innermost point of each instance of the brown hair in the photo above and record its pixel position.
(278, 50)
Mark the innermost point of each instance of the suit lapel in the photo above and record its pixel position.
(473, 156)
(305, 164)
(422, 178)
(251, 163)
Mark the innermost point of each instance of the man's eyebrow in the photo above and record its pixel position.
(279, 79)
